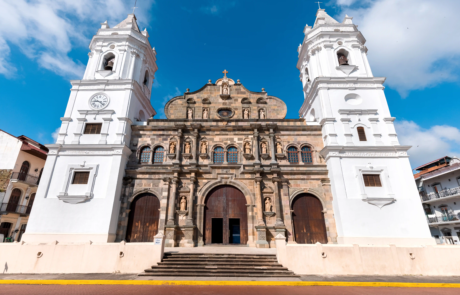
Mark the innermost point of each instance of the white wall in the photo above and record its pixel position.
(9, 150)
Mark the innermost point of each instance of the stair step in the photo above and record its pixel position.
(211, 274)
(217, 270)
(276, 267)
(216, 263)
(220, 260)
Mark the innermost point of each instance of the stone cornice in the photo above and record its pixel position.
(397, 151)
(88, 149)
(340, 83)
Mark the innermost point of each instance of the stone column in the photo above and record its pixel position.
(170, 227)
(179, 145)
(279, 219)
(251, 234)
(189, 220)
(255, 146)
(272, 146)
(164, 203)
(287, 210)
(259, 203)
(195, 146)
(200, 223)
(225, 156)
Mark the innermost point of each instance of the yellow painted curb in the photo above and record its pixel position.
(227, 283)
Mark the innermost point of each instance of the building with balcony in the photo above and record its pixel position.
(21, 164)
(438, 183)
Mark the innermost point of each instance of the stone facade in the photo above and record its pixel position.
(261, 170)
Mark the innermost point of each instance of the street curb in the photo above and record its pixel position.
(227, 283)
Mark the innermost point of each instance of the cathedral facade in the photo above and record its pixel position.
(226, 166)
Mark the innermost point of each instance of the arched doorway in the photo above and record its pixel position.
(308, 219)
(14, 200)
(24, 170)
(143, 218)
(225, 217)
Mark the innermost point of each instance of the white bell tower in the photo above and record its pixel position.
(79, 194)
(375, 198)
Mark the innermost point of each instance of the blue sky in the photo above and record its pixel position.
(414, 43)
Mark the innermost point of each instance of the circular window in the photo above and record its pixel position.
(225, 113)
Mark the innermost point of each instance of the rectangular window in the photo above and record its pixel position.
(93, 128)
(372, 180)
(80, 178)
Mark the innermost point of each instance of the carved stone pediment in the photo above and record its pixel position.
(269, 214)
(380, 202)
(203, 156)
(248, 156)
(171, 156)
(280, 156)
(347, 69)
(187, 156)
(181, 213)
(265, 156)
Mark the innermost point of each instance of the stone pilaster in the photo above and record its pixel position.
(259, 203)
(279, 218)
(286, 208)
(200, 220)
(170, 228)
(272, 146)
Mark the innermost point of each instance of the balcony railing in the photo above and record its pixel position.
(448, 192)
(442, 218)
(13, 208)
(27, 178)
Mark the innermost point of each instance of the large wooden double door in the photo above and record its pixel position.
(143, 219)
(308, 218)
(225, 217)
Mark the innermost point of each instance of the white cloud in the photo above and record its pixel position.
(216, 7)
(160, 108)
(412, 42)
(428, 144)
(46, 30)
(55, 134)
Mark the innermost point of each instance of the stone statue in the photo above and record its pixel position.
(205, 114)
(172, 148)
(183, 204)
(279, 148)
(204, 148)
(245, 114)
(187, 147)
(261, 114)
(189, 114)
(268, 205)
(264, 148)
(247, 148)
(225, 89)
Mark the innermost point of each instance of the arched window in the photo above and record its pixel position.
(145, 155)
(306, 155)
(146, 78)
(141, 116)
(158, 155)
(361, 134)
(218, 155)
(24, 170)
(109, 62)
(293, 155)
(232, 155)
(342, 56)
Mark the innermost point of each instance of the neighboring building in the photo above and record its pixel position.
(21, 164)
(226, 167)
(438, 183)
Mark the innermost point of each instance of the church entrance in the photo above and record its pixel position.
(308, 219)
(225, 217)
(143, 218)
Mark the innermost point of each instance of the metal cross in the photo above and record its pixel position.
(315, 2)
(134, 8)
(225, 73)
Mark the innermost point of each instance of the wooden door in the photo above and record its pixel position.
(24, 170)
(31, 203)
(5, 229)
(14, 200)
(225, 202)
(143, 219)
(308, 218)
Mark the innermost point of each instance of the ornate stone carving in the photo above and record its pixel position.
(205, 113)
(189, 113)
(183, 203)
(204, 147)
(245, 114)
(187, 148)
(172, 147)
(262, 114)
(279, 148)
(264, 148)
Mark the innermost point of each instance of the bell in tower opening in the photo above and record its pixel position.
(343, 60)
(109, 61)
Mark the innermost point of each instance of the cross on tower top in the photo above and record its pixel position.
(319, 7)
(134, 8)
(225, 73)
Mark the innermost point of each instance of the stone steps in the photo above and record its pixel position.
(218, 265)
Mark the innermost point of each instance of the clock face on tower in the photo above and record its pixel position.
(99, 102)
